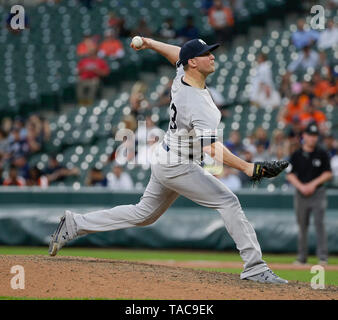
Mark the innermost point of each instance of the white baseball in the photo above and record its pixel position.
(137, 41)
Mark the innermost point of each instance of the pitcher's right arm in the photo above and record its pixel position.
(169, 51)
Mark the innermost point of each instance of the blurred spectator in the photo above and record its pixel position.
(189, 31)
(234, 143)
(13, 178)
(96, 178)
(279, 146)
(36, 178)
(323, 88)
(249, 143)
(262, 153)
(142, 29)
(312, 114)
(331, 145)
(267, 98)
(294, 135)
(125, 152)
(230, 179)
(34, 139)
(167, 30)
(85, 47)
(302, 38)
(90, 69)
(6, 125)
(146, 151)
(147, 136)
(222, 21)
(279, 154)
(147, 129)
(324, 63)
(1, 174)
(165, 96)
(262, 75)
(206, 5)
(293, 108)
(328, 38)
(113, 21)
(137, 100)
(306, 91)
(285, 88)
(237, 5)
(57, 172)
(119, 180)
(21, 163)
(17, 146)
(332, 4)
(123, 31)
(4, 144)
(307, 58)
(129, 122)
(24, 137)
(46, 132)
(40, 126)
(261, 137)
(111, 46)
(19, 125)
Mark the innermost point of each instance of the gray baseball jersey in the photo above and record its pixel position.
(194, 119)
(194, 116)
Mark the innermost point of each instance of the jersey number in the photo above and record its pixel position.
(173, 115)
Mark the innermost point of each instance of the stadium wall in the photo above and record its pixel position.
(249, 198)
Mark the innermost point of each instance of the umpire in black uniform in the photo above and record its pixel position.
(309, 170)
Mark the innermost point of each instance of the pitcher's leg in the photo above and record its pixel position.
(208, 191)
(154, 202)
(245, 238)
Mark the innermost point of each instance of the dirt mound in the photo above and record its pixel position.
(75, 277)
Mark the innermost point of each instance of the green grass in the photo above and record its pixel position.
(136, 254)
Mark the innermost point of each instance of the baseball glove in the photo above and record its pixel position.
(268, 169)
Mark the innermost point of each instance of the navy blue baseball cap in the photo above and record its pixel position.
(194, 48)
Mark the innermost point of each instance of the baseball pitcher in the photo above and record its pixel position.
(192, 131)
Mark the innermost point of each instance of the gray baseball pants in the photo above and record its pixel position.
(304, 206)
(164, 187)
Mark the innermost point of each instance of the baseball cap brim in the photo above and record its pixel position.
(204, 50)
(208, 48)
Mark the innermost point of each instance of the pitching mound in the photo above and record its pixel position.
(75, 277)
